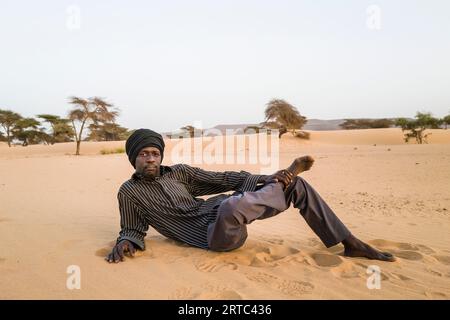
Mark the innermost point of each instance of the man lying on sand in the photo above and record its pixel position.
(166, 198)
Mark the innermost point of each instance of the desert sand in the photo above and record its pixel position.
(58, 210)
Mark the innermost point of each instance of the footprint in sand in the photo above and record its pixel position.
(275, 241)
(278, 252)
(408, 255)
(261, 260)
(261, 255)
(254, 254)
(295, 288)
(210, 286)
(288, 287)
(339, 249)
(407, 246)
(408, 251)
(313, 242)
(436, 295)
(434, 272)
(268, 257)
(425, 249)
(365, 267)
(2, 260)
(442, 259)
(400, 276)
(398, 245)
(347, 270)
(326, 260)
(261, 277)
(214, 266)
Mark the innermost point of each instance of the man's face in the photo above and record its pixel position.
(148, 162)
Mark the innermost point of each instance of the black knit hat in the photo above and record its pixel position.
(140, 139)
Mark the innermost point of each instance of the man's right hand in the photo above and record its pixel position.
(118, 252)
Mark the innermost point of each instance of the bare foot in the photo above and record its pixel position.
(356, 248)
(300, 164)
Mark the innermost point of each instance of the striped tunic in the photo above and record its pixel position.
(170, 205)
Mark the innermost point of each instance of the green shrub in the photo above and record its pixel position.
(303, 135)
(111, 151)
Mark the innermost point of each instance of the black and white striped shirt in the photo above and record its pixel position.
(170, 204)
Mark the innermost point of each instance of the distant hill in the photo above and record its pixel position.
(321, 125)
(312, 124)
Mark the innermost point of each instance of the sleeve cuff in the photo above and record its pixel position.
(251, 182)
(139, 243)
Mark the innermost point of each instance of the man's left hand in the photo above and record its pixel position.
(283, 176)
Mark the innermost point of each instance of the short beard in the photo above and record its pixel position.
(145, 175)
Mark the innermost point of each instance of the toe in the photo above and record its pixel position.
(388, 257)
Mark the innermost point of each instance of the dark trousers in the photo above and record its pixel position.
(229, 231)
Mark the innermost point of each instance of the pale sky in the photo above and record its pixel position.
(166, 64)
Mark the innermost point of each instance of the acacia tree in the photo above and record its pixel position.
(446, 121)
(104, 127)
(89, 110)
(254, 128)
(416, 128)
(61, 130)
(283, 116)
(191, 130)
(107, 132)
(350, 124)
(27, 130)
(8, 119)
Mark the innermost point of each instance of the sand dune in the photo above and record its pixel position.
(58, 210)
(375, 136)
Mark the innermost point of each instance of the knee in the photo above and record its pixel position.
(226, 233)
(227, 212)
(296, 191)
(299, 179)
(296, 184)
(228, 243)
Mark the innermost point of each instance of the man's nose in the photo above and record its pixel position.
(151, 158)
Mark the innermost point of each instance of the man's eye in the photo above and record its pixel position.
(146, 154)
